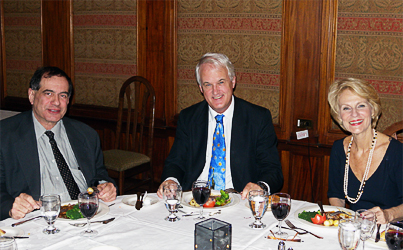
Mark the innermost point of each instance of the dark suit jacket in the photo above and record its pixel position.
(19, 160)
(254, 155)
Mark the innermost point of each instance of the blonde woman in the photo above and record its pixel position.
(366, 167)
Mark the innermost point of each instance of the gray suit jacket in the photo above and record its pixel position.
(19, 160)
(254, 155)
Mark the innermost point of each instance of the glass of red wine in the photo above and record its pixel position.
(88, 204)
(394, 235)
(258, 202)
(201, 193)
(280, 204)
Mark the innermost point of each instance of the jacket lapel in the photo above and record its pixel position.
(27, 156)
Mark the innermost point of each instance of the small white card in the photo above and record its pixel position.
(302, 134)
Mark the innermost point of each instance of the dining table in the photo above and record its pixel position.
(147, 229)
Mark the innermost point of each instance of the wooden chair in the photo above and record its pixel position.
(394, 129)
(132, 153)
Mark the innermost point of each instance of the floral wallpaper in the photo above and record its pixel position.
(105, 49)
(370, 46)
(22, 28)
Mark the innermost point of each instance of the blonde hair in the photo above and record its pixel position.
(360, 87)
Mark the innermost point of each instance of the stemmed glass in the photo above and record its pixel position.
(368, 222)
(394, 235)
(280, 207)
(172, 194)
(88, 204)
(50, 209)
(349, 234)
(258, 202)
(201, 193)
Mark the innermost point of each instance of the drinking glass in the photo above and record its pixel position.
(280, 207)
(88, 204)
(349, 234)
(258, 202)
(201, 192)
(50, 209)
(394, 235)
(7, 243)
(368, 222)
(172, 194)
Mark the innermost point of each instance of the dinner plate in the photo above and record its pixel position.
(316, 208)
(187, 197)
(103, 209)
(131, 200)
(12, 231)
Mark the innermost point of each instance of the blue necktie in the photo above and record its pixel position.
(216, 175)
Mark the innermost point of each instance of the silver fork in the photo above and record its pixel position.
(85, 223)
(294, 227)
(338, 212)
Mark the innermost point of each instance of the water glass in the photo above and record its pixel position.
(349, 234)
(50, 209)
(7, 243)
(368, 222)
(258, 202)
(172, 194)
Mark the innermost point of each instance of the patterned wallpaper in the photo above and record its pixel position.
(370, 46)
(22, 21)
(105, 49)
(247, 31)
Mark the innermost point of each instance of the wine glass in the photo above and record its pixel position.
(7, 243)
(368, 221)
(280, 207)
(349, 234)
(258, 202)
(88, 204)
(50, 209)
(201, 192)
(172, 194)
(394, 235)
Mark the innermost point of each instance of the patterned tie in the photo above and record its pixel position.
(216, 176)
(63, 168)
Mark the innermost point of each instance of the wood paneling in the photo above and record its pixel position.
(57, 35)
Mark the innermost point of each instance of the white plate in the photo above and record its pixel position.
(106, 248)
(103, 209)
(12, 231)
(131, 200)
(187, 197)
(316, 208)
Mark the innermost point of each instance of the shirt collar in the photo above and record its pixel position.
(227, 113)
(40, 130)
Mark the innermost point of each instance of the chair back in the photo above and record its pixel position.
(136, 116)
(394, 130)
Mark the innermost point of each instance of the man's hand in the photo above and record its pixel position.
(107, 191)
(249, 187)
(22, 205)
(159, 193)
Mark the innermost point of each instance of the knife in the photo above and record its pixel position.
(21, 222)
(139, 203)
(20, 237)
(378, 235)
(321, 208)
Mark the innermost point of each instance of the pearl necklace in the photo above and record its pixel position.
(364, 178)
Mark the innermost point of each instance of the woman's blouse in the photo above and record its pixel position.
(384, 188)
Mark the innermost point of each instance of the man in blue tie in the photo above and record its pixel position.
(223, 139)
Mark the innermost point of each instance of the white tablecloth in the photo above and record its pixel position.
(147, 229)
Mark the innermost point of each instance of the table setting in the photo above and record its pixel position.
(171, 223)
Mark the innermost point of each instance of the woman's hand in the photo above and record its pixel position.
(382, 216)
